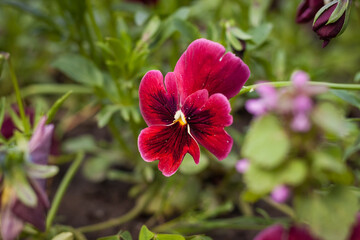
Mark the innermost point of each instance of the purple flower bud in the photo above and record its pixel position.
(300, 123)
(307, 10)
(242, 165)
(300, 79)
(328, 31)
(40, 142)
(280, 193)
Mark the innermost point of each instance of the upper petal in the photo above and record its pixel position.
(204, 65)
(157, 104)
(168, 144)
(207, 122)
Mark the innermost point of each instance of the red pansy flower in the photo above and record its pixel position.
(191, 107)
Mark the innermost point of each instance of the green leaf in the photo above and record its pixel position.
(41, 171)
(198, 237)
(84, 143)
(259, 35)
(189, 167)
(105, 114)
(240, 34)
(329, 214)
(348, 97)
(169, 237)
(330, 119)
(187, 29)
(266, 144)
(357, 77)
(23, 190)
(95, 168)
(145, 233)
(53, 110)
(262, 181)
(79, 69)
(3, 57)
(235, 43)
(151, 28)
(64, 236)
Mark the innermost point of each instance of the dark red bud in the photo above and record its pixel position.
(307, 10)
(327, 32)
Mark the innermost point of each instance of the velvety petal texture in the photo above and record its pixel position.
(205, 65)
(191, 107)
(158, 104)
(207, 122)
(168, 144)
(278, 232)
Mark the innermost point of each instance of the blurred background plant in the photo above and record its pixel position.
(101, 49)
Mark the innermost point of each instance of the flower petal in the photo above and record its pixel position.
(168, 144)
(204, 65)
(40, 142)
(11, 225)
(274, 232)
(157, 104)
(207, 122)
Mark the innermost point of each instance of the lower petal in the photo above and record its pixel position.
(168, 144)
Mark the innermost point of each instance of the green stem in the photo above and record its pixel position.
(343, 86)
(62, 188)
(18, 97)
(138, 208)
(281, 207)
(95, 27)
(117, 135)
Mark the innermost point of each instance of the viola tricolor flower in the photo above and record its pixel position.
(26, 175)
(191, 106)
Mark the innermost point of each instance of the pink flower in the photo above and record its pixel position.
(280, 193)
(278, 232)
(267, 101)
(191, 107)
(242, 165)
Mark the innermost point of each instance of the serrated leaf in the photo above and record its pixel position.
(266, 144)
(145, 233)
(79, 69)
(329, 214)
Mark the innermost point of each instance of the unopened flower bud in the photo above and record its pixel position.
(307, 10)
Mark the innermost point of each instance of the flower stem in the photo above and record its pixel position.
(342, 86)
(62, 188)
(138, 208)
(281, 207)
(14, 80)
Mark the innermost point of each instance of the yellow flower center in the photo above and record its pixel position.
(180, 117)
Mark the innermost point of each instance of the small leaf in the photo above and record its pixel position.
(169, 237)
(64, 236)
(329, 214)
(53, 110)
(24, 191)
(41, 171)
(105, 114)
(79, 69)
(338, 12)
(266, 144)
(330, 119)
(189, 167)
(347, 97)
(151, 28)
(145, 233)
(235, 43)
